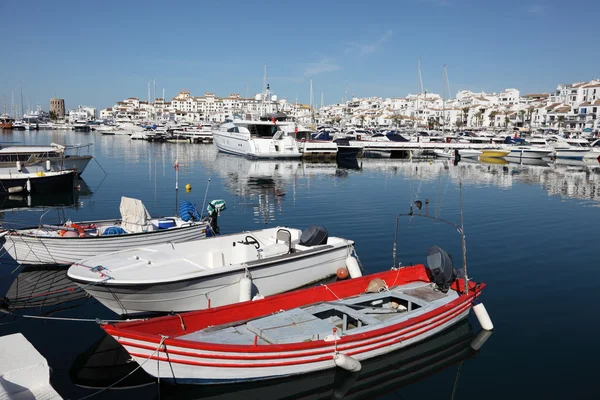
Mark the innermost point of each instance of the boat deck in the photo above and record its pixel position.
(350, 316)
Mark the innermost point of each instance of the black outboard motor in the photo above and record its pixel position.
(439, 263)
(313, 236)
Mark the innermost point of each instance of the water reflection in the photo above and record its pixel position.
(265, 185)
(49, 288)
(568, 178)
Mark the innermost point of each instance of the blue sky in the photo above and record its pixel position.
(96, 53)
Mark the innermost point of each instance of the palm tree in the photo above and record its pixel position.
(362, 121)
(506, 121)
(561, 121)
(493, 118)
(479, 117)
(397, 118)
(465, 111)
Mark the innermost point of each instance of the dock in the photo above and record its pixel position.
(24, 372)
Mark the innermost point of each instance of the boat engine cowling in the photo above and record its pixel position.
(442, 270)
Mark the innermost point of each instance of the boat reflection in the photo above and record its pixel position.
(381, 375)
(264, 185)
(103, 364)
(17, 202)
(47, 288)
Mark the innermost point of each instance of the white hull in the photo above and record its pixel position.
(301, 363)
(529, 153)
(573, 154)
(464, 153)
(66, 250)
(243, 145)
(221, 289)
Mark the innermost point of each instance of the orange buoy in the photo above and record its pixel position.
(342, 273)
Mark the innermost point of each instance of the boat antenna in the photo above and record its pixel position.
(205, 195)
(464, 246)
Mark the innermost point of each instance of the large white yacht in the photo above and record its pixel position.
(256, 139)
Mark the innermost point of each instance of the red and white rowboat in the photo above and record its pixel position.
(299, 332)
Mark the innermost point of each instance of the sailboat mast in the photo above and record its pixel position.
(4, 106)
(444, 100)
(310, 100)
(419, 88)
(21, 99)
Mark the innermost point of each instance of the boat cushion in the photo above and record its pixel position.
(292, 326)
(274, 250)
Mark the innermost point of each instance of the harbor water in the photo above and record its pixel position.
(531, 233)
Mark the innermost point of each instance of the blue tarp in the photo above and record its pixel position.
(188, 211)
(113, 230)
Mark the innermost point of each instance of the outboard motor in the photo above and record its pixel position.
(313, 236)
(439, 263)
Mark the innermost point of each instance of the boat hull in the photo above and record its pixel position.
(219, 289)
(572, 154)
(39, 250)
(529, 153)
(494, 153)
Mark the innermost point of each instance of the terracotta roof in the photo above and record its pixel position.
(564, 109)
(592, 85)
(580, 84)
(536, 95)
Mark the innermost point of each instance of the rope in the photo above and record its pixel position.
(335, 295)
(162, 340)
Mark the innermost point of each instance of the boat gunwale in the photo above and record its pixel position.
(15, 232)
(251, 266)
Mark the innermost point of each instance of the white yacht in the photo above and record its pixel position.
(256, 139)
(573, 149)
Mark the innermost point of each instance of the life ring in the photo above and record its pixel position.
(78, 228)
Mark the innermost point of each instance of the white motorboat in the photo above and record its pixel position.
(208, 273)
(33, 159)
(451, 153)
(256, 139)
(574, 149)
(594, 153)
(70, 242)
(520, 149)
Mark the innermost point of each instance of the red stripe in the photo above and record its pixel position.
(430, 326)
(297, 346)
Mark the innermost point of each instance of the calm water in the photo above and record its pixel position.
(532, 234)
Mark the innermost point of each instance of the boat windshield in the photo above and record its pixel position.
(263, 130)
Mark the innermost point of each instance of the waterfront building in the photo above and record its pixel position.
(57, 108)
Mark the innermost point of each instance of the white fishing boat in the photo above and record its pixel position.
(256, 139)
(217, 271)
(69, 242)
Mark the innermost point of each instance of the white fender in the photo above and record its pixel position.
(28, 186)
(346, 362)
(19, 167)
(48, 165)
(245, 289)
(483, 317)
(353, 268)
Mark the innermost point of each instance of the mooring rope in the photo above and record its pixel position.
(162, 340)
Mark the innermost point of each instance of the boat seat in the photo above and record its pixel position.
(274, 250)
(291, 326)
(215, 259)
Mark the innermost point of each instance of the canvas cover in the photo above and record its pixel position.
(134, 216)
